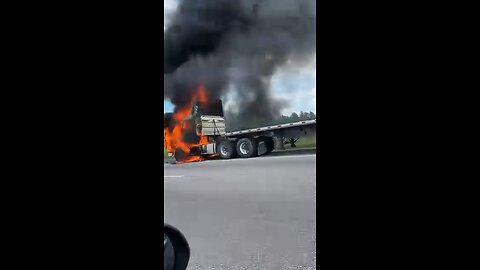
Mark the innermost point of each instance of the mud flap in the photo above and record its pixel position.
(262, 148)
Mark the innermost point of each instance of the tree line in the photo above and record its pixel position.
(294, 117)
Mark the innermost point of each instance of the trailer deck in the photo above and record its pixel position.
(272, 128)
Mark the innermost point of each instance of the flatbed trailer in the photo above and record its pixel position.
(211, 139)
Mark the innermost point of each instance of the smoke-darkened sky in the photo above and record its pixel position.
(297, 84)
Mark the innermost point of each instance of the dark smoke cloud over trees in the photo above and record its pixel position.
(283, 119)
(236, 45)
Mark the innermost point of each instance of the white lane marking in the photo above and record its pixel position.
(172, 176)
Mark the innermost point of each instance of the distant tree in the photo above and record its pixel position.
(304, 116)
(294, 117)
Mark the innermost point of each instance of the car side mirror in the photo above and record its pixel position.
(176, 251)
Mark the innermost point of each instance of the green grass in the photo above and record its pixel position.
(164, 153)
(304, 142)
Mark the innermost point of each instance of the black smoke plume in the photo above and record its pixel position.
(236, 45)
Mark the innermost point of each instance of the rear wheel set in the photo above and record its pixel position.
(247, 147)
(226, 149)
(244, 148)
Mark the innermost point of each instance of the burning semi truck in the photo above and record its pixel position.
(196, 131)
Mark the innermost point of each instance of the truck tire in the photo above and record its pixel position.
(226, 149)
(180, 155)
(247, 147)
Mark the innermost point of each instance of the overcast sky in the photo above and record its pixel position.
(297, 85)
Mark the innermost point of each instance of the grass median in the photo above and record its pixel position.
(305, 142)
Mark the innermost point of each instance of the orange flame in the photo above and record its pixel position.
(173, 138)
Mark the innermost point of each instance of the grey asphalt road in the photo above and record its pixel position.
(254, 213)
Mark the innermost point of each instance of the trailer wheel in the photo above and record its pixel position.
(247, 147)
(226, 149)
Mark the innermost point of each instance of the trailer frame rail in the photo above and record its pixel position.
(275, 127)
